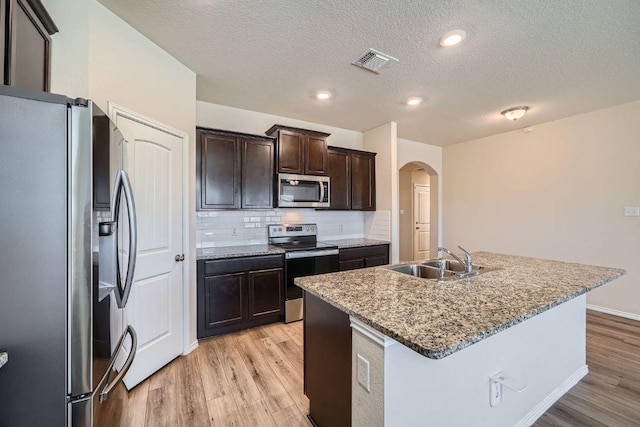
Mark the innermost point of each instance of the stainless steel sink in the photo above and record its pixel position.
(422, 271)
(449, 264)
(431, 269)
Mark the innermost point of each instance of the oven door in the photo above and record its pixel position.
(300, 264)
(303, 191)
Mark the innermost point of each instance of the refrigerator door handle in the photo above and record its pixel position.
(109, 270)
(125, 183)
(105, 386)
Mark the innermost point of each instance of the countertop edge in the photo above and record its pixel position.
(266, 249)
(358, 242)
(441, 353)
(240, 253)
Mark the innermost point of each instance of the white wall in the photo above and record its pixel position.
(546, 353)
(383, 140)
(412, 151)
(558, 192)
(405, 216)
(235, 119)
(70, 47)
(97, 55)
(127, 68)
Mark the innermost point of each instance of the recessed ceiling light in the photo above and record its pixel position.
(413, 101)
(323, 95)
(515, 113)
(452, 38)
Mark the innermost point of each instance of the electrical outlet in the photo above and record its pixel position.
(495, 390)
(632, 211)
(363, 373)
(234, 231)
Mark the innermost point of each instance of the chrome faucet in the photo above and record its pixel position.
(468, 265)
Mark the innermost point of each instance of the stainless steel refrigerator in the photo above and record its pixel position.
(68, 238)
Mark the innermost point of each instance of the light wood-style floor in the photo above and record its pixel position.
(254, 378)
(610, 394)
(249, 378)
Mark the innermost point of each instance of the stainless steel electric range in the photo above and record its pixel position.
(304, 256)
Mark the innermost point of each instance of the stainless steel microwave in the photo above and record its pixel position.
(303, 191)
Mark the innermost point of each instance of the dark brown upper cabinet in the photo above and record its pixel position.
(300, 151)
(101, 164)
(25, 30)
(258, 171)
(339, 170)
(353, 179)
(363, 181)
(235, 170)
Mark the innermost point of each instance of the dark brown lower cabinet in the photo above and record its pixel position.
(239, 293)
(363, 257)
(265, 293)
(327, 363)
(225, 302)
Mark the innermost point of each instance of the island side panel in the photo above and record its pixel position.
(327, 363)
(546, 352)
(368, 405)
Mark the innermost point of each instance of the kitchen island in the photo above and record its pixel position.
(433, 347)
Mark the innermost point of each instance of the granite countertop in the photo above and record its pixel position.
(354, 243)
(254, 250)
(4, 358)
(438, 319)
(237, 251)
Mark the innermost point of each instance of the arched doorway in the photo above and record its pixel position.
(418, 211)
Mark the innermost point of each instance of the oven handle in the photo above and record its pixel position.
(310, 254)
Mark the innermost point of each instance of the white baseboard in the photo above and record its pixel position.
(192, 347)
(553, 397)
(613, 312)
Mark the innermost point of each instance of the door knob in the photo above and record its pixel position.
(179, 258)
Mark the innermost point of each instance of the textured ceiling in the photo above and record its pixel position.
(560, 57)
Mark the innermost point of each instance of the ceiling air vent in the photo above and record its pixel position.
(375, 61)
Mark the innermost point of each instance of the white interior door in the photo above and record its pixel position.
(422, 219)
(153, 160)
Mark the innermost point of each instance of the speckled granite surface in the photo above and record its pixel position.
(4, 358)
(436, 319)
(355, 243)
(237, 251)
(253, 250)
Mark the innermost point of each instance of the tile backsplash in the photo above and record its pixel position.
(377, 225)
(248, 227)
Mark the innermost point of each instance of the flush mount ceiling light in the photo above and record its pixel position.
(515, 113)
(323, 95)
(413, 101)
(452, 38)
